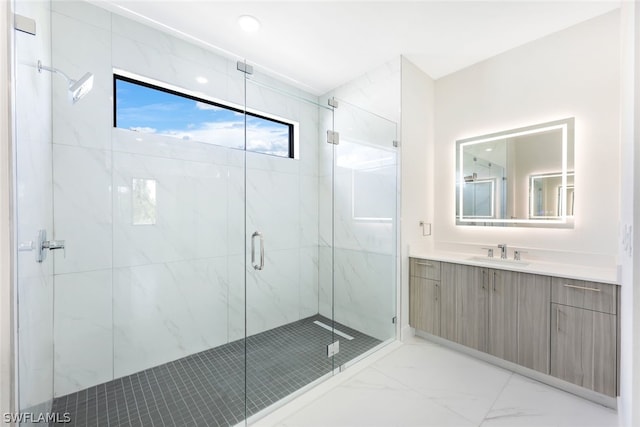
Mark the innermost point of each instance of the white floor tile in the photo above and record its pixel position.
(525, 402)
(424, 384)
(465, 385)
(373, 399)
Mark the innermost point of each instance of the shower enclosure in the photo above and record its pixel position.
(206, 255)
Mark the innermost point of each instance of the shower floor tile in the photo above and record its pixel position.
(208, 388)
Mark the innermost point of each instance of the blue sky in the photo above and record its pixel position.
(148, 110)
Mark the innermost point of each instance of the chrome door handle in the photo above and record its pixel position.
(253, 250)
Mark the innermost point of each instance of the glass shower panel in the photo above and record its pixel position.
(34, 220)
(365, 225)
(287, 330)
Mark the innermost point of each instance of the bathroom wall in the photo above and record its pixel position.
(572, 73)
(417, 100)
(629, 241)
(128, 297)
(33, 204)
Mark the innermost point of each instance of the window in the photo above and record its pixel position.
(148, 108)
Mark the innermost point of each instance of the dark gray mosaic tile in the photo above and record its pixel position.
(208, 388)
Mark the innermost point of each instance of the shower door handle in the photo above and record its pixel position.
(259, 266)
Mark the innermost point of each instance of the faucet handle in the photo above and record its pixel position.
(517, 253)
(489, 252)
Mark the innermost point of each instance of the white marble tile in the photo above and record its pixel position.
(458, 382)
(191, 210)
(373, 399)
(82, 330)
(82, 208)
(163, 312)
(272, 298)
(149, 144)
(308, 188)
(325, 281)
(35, 330)
(236, 306)
(273, 208)
(364, 292)
(79, 48)
(155, 62)
(308, 291)
(84, 12)
(525, 402)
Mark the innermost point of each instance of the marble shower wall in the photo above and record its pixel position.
(131, 295)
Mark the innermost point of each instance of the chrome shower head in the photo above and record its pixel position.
(81, 87)
(76, 88)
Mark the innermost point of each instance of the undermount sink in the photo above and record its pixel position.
(499, 261)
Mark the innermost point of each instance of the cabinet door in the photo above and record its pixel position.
(503, 312)
(583, 348)
(424, 305)
(448, 301)
(534, 304)
(471, 309)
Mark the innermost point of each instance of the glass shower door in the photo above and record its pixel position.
(34, 213)
(288, 327)
(365, 227)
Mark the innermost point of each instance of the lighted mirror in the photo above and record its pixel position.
(518, 177)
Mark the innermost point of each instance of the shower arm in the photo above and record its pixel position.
(54, 71)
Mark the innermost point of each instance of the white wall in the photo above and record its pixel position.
(417, 170)
(572, 73)
(6, 232)
(129, 297)
(629, 403)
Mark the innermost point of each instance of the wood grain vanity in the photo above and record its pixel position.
(563, 328)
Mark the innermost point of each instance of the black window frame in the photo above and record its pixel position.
(289, 126)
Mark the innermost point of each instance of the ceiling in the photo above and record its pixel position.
(320, 45)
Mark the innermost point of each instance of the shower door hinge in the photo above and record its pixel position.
(333, 349)
(333, 137)
(244, 67)
(24, 24)
(396, 144)
(333, 102)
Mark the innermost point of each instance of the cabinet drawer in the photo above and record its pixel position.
(582, 294)
(424, 268)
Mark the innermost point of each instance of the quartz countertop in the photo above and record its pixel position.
(569, 271)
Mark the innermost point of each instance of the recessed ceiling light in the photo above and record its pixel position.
(488, 149)
(202, 80)
(248, 23)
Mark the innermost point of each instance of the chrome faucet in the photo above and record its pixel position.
(503, 250)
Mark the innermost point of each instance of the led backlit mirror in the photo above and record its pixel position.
(519, 177)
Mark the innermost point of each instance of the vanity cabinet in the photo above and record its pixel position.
(424, 299)
(565, 328)
(584, 334)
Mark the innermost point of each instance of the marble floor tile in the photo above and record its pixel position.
(456, 381)
(373, 399)
(526, 402)
(424, 384)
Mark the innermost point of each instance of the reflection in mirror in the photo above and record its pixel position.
(546, 196)
(517, 177)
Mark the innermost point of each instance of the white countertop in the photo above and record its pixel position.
(569, 271)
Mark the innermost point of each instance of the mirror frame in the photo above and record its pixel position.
(568, 135)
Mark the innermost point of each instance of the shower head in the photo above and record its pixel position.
(81, 87)
(76, 88)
